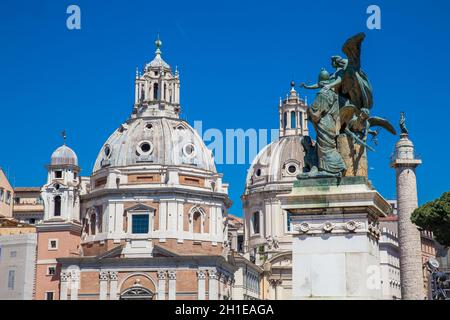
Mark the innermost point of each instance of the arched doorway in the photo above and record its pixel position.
(137, 293)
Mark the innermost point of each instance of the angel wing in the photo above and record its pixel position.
(380, 122)
(352, 48)
(346, 113)
(355, 82)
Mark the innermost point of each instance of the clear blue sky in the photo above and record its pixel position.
(236, 59)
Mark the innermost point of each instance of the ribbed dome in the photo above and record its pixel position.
(155, 141)
(64, 156)
(280, 161)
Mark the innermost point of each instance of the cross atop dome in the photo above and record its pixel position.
(158, 62)
(158, 44)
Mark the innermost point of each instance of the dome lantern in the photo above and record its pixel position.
(292, 112)
(157, 91)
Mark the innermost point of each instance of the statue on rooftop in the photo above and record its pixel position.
(403, 128)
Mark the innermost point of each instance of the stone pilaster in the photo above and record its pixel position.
(172, 285)
(161, 295)
(65, 276)
(103, 278)
(75, 281)
(201, 274)
(213, 285)
(113, 285)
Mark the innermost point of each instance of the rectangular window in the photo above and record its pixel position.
(49, 295)
(51, 271)
(13, 254)
(52, 244)
(11, 279)
(289, 220)
(140, 223)
(58, 174)
(8, 197)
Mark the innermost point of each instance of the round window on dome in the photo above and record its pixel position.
(291, 168)
(148, 126)
(258, 172)
(107, 151)
(189, 150)
(145, 148)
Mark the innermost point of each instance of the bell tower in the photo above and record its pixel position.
(61, 192)
(60, 233)
(293, 118)
(157, 91)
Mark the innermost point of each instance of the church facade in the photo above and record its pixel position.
(150, 222)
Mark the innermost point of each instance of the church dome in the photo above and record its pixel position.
(64, 156)
(280, 161)
(155, 141)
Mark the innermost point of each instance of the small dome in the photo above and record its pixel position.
(64, 156)
(280, 161)
(155, 141)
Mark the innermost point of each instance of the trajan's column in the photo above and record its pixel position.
(405, 163)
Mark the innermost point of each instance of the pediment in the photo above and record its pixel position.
(140, 207)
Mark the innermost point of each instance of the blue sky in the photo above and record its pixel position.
(236, 59)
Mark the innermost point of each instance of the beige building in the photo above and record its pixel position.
(6, 195)
(17, 260)
(28, 206)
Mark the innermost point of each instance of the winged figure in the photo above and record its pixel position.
(354, 121)
(349, 81)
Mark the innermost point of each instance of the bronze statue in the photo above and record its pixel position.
(403, 128)
(342, 107)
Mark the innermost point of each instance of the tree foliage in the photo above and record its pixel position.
(435, 216)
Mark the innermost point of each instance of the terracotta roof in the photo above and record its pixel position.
(234, 218)
(392, 217)
(27, 189)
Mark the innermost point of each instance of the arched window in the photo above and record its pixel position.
(57, 211)
(300, 120)
(255, 222)
(93, 222)
(197, 222)
(293, 120)
(85, 226)
(285, 120)
(155, 91)
(137, 293)
(197, 218)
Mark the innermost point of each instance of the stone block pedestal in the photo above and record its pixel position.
(335, 253)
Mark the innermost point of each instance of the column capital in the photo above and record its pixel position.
(65, 276)
(113, 275)
(103, 275)
(201, 274)
(162, 274)
(213, 274)
(172, 274)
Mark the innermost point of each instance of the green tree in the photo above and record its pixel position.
(435, 216)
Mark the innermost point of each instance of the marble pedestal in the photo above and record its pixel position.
(335, 253)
